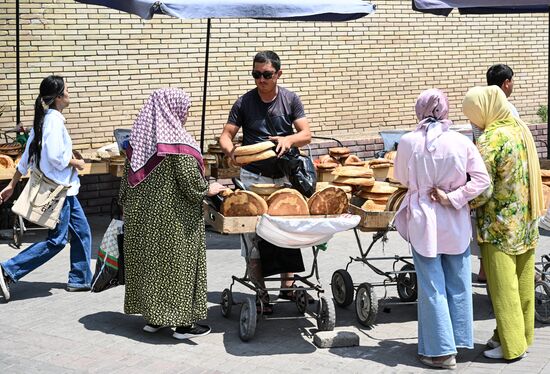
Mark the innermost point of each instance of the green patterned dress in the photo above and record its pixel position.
(164, 243)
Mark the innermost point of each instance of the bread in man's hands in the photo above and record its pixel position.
(243, 160)
(252, 149)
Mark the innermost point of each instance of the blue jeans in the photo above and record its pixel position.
(71, 220)
(445, 310)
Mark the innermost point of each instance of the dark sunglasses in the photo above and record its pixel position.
(266, 74)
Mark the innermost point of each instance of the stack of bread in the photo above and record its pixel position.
(255, 152)
(381, 168)
(327, 163)
(376, 196)
(354, 176)
(339, 153)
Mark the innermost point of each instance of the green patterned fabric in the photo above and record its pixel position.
(164, 243)
(504, 216)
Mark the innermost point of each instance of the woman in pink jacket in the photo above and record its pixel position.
(435, 163)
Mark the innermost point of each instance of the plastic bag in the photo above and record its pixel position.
(299, 170)
(303, 232)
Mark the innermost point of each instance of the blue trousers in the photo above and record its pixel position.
(445, 311)
(71, 220)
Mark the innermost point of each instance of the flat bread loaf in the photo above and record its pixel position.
(378, 197)
(370, 205)
(330, 200)
(243, 203)
(544, 173)
(6, 162)
(243, 160)
(380, 188)
(355, 181)
(287, 202)
(353, 171)
(246, 150)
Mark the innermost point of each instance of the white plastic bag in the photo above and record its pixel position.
(303, 232)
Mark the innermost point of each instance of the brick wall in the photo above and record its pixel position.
(354, 78)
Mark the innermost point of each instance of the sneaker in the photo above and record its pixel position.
(491, 343)
(77, 289)
(496, 353)
(152, 328)
(4, 284)
(193, 331)
(449, 363)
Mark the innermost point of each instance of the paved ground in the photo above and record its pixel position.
(48, 330)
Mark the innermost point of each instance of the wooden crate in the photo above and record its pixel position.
(372, 221)
(229, 225)
(219, 173)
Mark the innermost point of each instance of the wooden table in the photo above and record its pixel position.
(89, 169)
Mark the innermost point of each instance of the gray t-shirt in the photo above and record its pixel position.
(250, 113)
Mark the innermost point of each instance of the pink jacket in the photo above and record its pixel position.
(430, 227)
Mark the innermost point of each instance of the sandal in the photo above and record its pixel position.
(267, 309)
(291, 295)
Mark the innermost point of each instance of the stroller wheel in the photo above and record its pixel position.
(247, 320)
(226, 302)
(542, 302)
(406, 284)
(366, 304)
(342, 288)
(301, 299)
(326, 316)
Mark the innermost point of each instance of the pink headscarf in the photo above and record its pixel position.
(158, 131)
(432, 109)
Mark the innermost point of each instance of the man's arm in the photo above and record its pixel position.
(229, 132)
(299, 139)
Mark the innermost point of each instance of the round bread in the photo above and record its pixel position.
(327, 166)
(376, 161)
(287, 202)
(351, 159)
(544, 173)
(243, 203)
(265, 189)
(343, 187)
(374, 196)
(380, 166)
(339, 151)
(243, 160)
(327, 159)
(371, 206)
(330, 200)
(380, 188)
(352, 171)
(6, 162)
(246, 150)
(355, 181)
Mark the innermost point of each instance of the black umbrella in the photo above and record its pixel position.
(444, 8)
(289, 10)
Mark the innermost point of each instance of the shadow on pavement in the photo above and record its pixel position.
(30, 290)
(128, 326)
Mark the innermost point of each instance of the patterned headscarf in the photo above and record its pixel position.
(487, 107)
(158, 131)
(432, 109)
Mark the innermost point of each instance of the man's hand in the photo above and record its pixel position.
(78, 164)
(440, 196)
(215, 188)
(283, 144)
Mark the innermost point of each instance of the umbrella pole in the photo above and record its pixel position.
(17, 87)
(203, 118)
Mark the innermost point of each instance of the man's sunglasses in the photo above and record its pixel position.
(266, 74)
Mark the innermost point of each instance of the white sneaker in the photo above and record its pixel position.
(496, 353)
(152, 328)
(491, 343)
(4, 285)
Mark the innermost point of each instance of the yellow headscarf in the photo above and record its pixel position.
(487, 106)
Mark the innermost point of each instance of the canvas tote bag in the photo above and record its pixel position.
(41, 200)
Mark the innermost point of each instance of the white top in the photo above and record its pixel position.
(57, 151)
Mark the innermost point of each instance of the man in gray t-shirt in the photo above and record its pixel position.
(268, 112)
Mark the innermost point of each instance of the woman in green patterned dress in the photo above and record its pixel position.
(507, 215)
(164, 241)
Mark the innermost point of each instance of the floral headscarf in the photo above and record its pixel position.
(158, 131)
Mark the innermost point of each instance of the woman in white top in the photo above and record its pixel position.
(49, 147)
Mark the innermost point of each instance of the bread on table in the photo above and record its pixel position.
(6, 162)
(243, 203)
(287, 202)
(353, 171)
(330, 200)
(339, 152)
(370, 205)
(355, 181)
